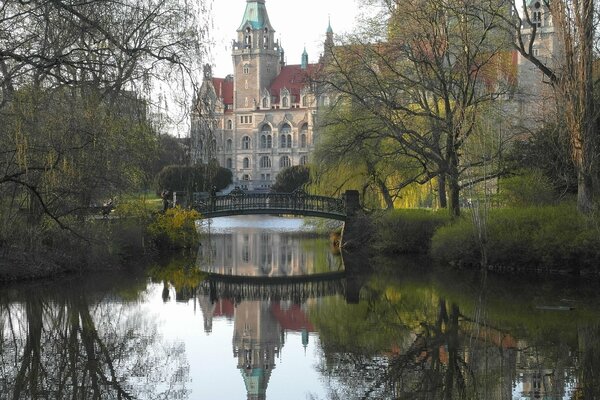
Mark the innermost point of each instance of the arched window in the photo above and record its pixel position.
(537, 14)
(286, 136)
(265, 102)
(246, 162)
(245, 142)
(265, 162)
(284, 162)
(303, 140)
(248, 38)
(303, 135)
(228, 145)
(229, 124)
(303, 160)
(266, 140)
(284, 102)
(304, 101)
(246, 70)
(200, 145)
(229, 163)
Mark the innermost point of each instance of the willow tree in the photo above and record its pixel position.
(75, 91)
(425, 71)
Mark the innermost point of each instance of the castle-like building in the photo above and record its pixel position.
(261, 119)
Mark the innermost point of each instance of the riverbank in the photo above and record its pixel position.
(549, 239)
(132, 237)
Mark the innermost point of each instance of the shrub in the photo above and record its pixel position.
(291, 178)
(175, 229)
(407, 231)
(532, 188)
(194, 178)
(551, 238)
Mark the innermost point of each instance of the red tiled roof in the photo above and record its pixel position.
(293, 318)
(225, 308)
(294, 79)
(224, 89)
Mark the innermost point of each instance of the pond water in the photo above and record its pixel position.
(266, 310)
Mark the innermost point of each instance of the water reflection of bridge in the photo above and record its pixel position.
(297, 289)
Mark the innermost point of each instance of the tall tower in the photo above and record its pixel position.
(256, 56)
(535, 92)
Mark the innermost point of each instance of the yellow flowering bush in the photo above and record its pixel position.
(175, 228)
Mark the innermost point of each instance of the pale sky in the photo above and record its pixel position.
(297, 24)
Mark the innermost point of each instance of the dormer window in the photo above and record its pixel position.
(265, 102)
(285, 102)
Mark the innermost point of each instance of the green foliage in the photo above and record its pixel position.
(407, 231)
(551, 238)
(291, 178)
(182, 276)
(547, 151)
(197, 178)
(174, 229)
(171, 151)
(531, 188)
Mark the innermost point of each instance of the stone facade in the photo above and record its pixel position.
(259, 120)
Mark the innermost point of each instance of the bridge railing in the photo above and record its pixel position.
(276, 202)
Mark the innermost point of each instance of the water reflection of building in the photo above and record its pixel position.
(259, 253)
(260, 326)
(256, 342)
(258, 335)
(540, 377)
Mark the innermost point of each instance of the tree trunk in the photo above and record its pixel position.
(453, 187)
(389, 202)
(441, 183)
(585, 191)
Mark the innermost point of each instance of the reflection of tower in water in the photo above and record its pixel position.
(256, 343)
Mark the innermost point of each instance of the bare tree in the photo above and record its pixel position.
(571, 78)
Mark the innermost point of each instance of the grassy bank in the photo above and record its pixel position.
(407, 231)
(528, 239)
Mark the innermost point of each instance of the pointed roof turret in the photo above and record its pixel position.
(329, 30)
(255, 15)
(304, 63)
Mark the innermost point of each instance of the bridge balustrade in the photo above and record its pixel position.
(247, 203)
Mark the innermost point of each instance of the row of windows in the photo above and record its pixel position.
(247, 119)
(265, 162)
(248, 40)
(266, 142)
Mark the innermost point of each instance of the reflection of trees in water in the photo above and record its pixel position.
(410, 343)
(69, 348)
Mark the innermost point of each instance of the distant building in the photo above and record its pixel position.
(259, 120)
(535, 95)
